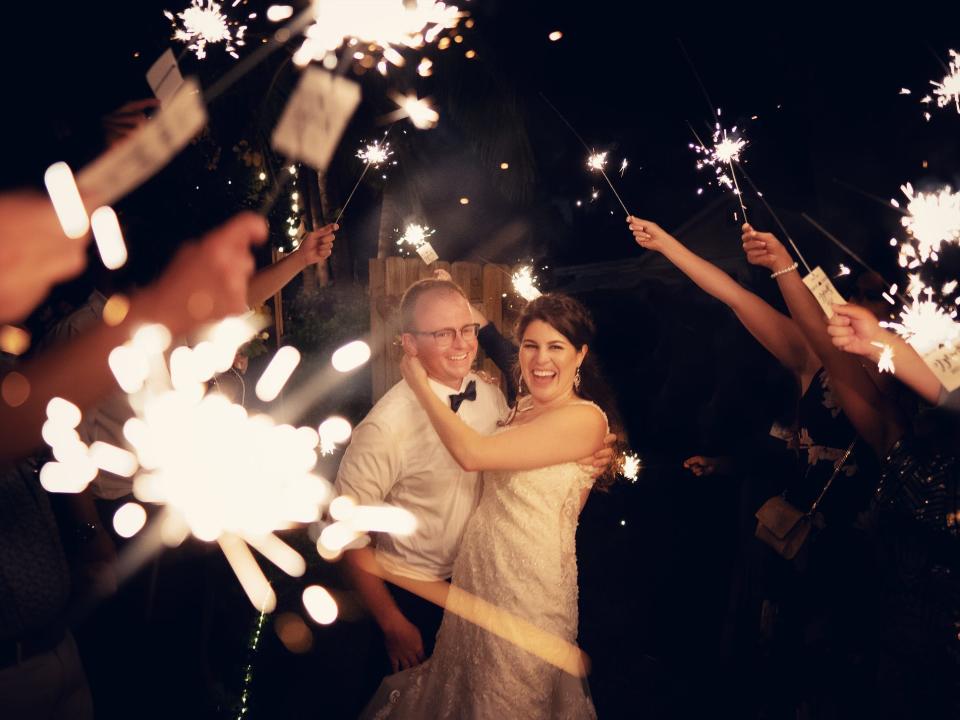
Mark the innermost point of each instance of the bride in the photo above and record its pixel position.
(507, 644)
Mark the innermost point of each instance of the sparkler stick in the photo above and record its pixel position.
(776, 219)
(836, 241)
(592, 155)
(365, 168)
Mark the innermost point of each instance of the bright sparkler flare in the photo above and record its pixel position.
(419, 110)
(885, 361)
(415, 235)
(932, 219)
(623, 167)
(631, 466)
(726, 150)
(387, 25)
(204, 22)
(948, 90)
(924, 323)
(525, 284)
(597, 161)
(374, 153)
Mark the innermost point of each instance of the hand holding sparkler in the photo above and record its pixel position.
(765, 250)
(856, 330)
(317, 246)
(649, 235)
(126, 120)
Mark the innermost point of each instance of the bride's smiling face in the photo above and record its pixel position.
(548, 362)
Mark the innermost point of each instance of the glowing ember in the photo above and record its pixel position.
(948, 90)
(202, 23)
(525, 284)
(631, 466)
(623, 167)
(932, 219)
(375, 153)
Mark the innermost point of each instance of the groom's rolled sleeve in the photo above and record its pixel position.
(370, 465)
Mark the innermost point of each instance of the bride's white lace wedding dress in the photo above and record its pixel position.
(518, 555)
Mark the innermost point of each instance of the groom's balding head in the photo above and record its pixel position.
(422, 289)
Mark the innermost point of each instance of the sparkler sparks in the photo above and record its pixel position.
(924, 323)
(726, 150)
(630, 466)
(374, 153)
(525, 284)
(204, 22)
(597, 162)
(932, 219)
(948, 90)
(415, 235)
(885, 362)
(623, 167)
(378, 25)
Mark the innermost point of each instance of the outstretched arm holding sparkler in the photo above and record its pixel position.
(205, 282)
(316, 247)
(872, 415)
(856, 330)
(772, 329)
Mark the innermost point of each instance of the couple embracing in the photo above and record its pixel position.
(506, 644)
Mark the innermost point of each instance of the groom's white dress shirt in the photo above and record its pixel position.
(397, 458)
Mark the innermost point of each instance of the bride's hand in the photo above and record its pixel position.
(413, 371)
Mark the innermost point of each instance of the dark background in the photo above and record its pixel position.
(656, 556)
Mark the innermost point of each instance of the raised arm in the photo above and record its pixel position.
(870, 412)
(567, 434)
(855, 330)
(772, 329)
(316, 247)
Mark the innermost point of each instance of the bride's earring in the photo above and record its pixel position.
(520, 384)
(576, 379)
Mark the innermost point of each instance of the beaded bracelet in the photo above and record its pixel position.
(789, 268)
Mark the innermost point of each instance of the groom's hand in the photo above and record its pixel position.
(598, 463)
(404, 644)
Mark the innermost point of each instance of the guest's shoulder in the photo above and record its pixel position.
(394, 407)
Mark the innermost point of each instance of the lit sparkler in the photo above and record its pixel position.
(374, 153)
(948, 90)
(415, 235)
(222, 474)
(204, 22)
(630, 466)
(525, 284)
(932, 219)
(419, 110)
(923, 322)
(726, 150)
(597, 162)
(386, 26)
(885, 361)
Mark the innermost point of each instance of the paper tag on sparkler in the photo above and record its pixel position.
(164, 77)
(132, 162)
(823, 290)
(945, 363)
(315, 117)
(427, 253)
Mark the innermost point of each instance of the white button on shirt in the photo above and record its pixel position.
(397, 458)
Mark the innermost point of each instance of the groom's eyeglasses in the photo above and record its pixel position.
(444, 336)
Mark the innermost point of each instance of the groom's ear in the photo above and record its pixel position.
(408, 345)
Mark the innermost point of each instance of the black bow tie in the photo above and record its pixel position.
(469, 394)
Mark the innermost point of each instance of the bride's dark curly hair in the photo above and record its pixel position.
(572, 320)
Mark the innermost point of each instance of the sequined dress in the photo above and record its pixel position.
(518, 555)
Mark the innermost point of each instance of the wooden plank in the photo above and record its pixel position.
(492, 308)
(397, 282)
(377, 269)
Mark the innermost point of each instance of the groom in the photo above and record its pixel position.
(396, 457)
